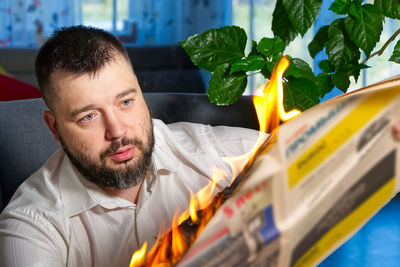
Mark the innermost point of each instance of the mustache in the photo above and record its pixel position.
(116, 144)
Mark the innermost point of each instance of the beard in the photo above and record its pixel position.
(126, 175)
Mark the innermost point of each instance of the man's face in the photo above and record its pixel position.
(103, 124)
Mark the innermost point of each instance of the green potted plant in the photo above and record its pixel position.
(222, 51)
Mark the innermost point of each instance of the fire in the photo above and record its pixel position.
(269, 106)
(205, 194)
(193, 208)
(138, 256)
(269, 109)
(179, 244)
(170, 248)
(161, 254)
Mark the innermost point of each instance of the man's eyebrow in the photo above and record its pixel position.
(125, 93)
(76, 112)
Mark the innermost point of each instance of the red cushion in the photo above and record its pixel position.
(12, 89)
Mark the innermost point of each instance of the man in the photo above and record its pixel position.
(119, 175)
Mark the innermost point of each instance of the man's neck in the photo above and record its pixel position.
(131, 194)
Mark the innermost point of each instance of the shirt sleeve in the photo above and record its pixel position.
(27, 239)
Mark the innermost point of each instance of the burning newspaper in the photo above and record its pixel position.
(304, 191)
(311, 186)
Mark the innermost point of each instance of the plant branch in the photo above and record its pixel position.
(380, 51)
(254, 73)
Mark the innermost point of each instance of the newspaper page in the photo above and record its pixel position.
(331, 169)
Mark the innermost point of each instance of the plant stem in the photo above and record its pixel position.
(254, 73)
(380, 51)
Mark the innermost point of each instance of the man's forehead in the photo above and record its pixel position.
(64, 82)
(117, 60)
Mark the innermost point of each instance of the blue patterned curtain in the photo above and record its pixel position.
(27, 23)
(157, 22)
(167, 22)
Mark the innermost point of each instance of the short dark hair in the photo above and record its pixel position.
(76, 49)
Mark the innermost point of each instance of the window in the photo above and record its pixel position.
(111, 15)
(255, 17)
(27, 23)
(151, 22)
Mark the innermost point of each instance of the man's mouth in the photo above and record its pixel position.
(123, 154)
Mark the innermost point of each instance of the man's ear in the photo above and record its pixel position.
(51, 123)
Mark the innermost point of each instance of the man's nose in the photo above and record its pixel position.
(114, 126)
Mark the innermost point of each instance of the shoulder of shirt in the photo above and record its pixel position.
(195, 137)
(39, 195)
(193, 128)
(188, 136)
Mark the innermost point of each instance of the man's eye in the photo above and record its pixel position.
(88, 117)
(126, 102)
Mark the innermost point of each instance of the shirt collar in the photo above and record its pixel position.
(162, 160)
(79, 194)
(163, 157)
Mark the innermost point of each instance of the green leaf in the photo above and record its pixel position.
(389, 8)
(340, 49)
(216, 46)
(281, 25)
(299, 69)
(340, 7)
(225, 89)
(271, 47)
(324, 83)
(300, 93)
(341, 80)
(343, 7)
(318, 43)
(365, 31)
(355, 9)
(354, 70)
(254, 50)
(267, 70)
(396, 53)
(248, 64)
(302, 13)
(326, 66)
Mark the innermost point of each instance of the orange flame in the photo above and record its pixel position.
(179, 245)
(193, 208)
(161, 256)
(205, 194)
(151, 255)
(269, 106)
(138, 256)
(202, 198)
(270, 110)
(170, 248)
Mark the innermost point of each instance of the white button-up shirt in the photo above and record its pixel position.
(59, 218)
